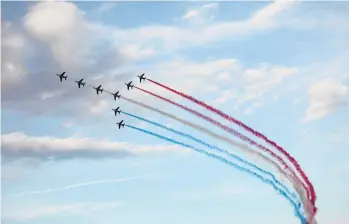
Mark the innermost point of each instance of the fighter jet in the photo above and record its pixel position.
(116, 95)
(80, 82)
(98, 89)
(61, 76)
(129, 85)
(116, 110)
(121, 124)
(141, 77)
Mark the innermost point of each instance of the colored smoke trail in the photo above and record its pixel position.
(281, 171)
(311, 193)
(221, 159)
(214, 148)
(226, 128)
(295, 182)
(244, 147)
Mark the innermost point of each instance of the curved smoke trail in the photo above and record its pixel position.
(214, 148)
(229, 130)
(311, 193)
(299, 191)
(222, 159)
(295, 183)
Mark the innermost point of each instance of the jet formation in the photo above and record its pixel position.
(129, 85)
(100, 90)
(61, 76)
(141, 77)
(121, 124)
(80, 83)
(116, 110)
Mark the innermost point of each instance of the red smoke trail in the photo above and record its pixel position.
(230, 130)
(256, 133)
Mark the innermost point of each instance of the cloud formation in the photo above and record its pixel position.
(101, 54)
(13, 50)
(19, 145)
(259, 81)
(202, 14)
(325, 97)
(169, 38)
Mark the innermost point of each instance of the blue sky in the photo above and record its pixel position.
(280, 67)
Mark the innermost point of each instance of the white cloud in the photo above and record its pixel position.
(259, 81)
(13, 51)
(106, 47)
(135, 52)
(19, 145)
(201, 14)
(225, 96)
(265, 16)
(62, 26)
(168, 38)
(33, 212)
(199, 76)
(325, 97)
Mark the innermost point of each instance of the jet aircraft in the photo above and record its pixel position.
(129, 85)
(141, 77)
(121, 124)
(98, 89)
(116, 110)
(80, 82)
(61, 76)
(116, 95)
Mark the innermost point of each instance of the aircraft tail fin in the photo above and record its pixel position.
(83, 84)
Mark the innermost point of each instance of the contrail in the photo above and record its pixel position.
(311, 193)
(293, 180)
(222, 159)
(84, 184)
(214, 148)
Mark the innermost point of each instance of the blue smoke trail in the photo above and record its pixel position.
(216, 148)
(283, 193)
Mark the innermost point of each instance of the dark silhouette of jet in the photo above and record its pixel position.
(141, 77)
(121, 124)
(116, 110)
(129, 85)
(61, 76)
(98, 89)
(80, 82)
(116, 95)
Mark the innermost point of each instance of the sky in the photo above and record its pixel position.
(279, 67)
